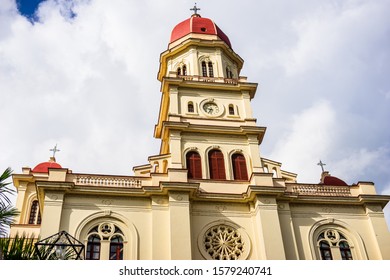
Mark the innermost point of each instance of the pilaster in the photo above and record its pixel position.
(160, 228)
(51, 216)
(180, 226)
(267, 221)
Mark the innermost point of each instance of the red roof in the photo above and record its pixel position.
(199, 25)
(44, 167)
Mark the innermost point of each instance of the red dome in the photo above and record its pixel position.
(44, 167)
(334, 181)
(199, 25)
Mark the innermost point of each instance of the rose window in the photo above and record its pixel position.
(223, 242)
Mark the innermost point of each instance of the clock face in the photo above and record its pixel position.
(211, 108)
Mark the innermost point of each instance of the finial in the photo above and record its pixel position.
(322, 165)
(54, 150)
(195, 9)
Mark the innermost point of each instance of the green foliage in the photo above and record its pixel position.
(7, 211)
(18, 248)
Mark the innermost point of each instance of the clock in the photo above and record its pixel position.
(211, 108)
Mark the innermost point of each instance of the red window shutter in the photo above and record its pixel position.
(239, 167)
(217, 165)
(194, 165)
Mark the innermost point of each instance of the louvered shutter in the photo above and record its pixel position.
(217, 165)
(194, 165)
(239, 167)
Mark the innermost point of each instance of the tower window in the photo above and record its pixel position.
(229, 73)
(231, 109)
(211, 72)
(35, 215)
(216, 165)
(190, 107)
(182, 70)
(204, 69)
(239, 167)
(194, 165)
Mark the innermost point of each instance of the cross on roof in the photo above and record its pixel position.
(322, 165)
(54, 150)
(195, 9)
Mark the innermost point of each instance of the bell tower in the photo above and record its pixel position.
(205, 122)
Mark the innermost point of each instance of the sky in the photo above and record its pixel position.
(82, 75)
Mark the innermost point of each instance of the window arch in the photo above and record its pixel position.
(194, 165)
(216, 165)
(35, 214)
(332, 244)
(105, 233)
(239, 167)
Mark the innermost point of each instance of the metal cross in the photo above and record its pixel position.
(54, 150)
(195, 9)
(322, 165)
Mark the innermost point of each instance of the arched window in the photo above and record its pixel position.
(194, 165)
(231, 109)
(105, 232)
(345, 250)
(229, 73)
(93, 247)
(211, 72)
(35, 214)
(178, 71)
(333, 245)
(239, 167)
(204, 69)
(116, 248)
(216, 165)
(326, 254)
(184, 70)
(274, 173)
(190, 107)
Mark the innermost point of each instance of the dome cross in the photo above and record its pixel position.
(195, 9)
(54, 150)
(322, 165)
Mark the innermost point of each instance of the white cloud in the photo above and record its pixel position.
(308, 138)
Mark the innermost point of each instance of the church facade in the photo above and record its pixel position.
(208, 194)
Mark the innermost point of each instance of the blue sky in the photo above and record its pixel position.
(28, 7)
(83, 81)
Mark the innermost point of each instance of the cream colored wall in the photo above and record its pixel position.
(192, 57)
